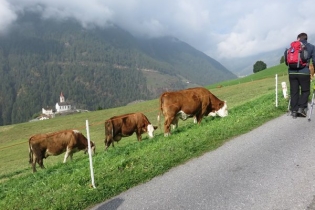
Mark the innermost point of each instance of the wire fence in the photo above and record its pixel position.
(94, 124)
(48, 134)
(91, 125)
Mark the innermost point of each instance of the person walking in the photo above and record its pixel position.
(299, 79)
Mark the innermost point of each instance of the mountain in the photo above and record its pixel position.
(245, 66)
(95, 68)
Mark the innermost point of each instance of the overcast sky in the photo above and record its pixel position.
(221, 29)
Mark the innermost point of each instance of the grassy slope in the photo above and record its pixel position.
(251, 102)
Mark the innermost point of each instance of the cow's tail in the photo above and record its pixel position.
(30, 152)
(160, 110)
(159, 118)
(108, 133)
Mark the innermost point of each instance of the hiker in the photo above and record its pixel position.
(299, 74)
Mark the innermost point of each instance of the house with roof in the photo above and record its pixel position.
(47, 111)
(62, 105)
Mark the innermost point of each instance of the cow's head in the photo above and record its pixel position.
(221, 111)
(150, 130)
(93, 147)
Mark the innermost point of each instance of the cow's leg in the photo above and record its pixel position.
(139, 136)
(198, 118)
(34, 167)
(175, 123)
(167, 126)
(107, 144)
(71, 155)
(108, 141)
(111, 143)
(34, 163)
(37, 158)
(68, 152)
(41, 162)
(30, 154)
(65, 158)
(195, 119)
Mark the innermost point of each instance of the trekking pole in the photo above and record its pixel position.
(312, 104)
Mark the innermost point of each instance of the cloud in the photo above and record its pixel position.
(7, 16)
(234, 29)
(267, 28)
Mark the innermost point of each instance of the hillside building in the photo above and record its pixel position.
(62, 105)
(47, 111)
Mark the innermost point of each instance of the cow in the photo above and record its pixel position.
(51, 144)
(125, 125)
(217, 108)
(192, 102)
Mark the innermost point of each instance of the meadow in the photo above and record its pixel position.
(251, 103)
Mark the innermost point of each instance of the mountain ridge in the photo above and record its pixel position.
(95, 68)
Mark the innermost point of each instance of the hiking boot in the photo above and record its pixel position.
(301, 112)
(294, 114)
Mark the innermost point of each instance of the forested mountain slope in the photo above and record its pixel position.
(94, 68)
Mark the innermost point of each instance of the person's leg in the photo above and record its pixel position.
(305, 83)
(294, 92)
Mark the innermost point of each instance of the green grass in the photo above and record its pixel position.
(251, 103)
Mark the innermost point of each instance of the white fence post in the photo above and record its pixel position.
(276, 90)
(90, 153)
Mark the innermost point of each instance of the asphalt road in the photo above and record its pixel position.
(269, 168)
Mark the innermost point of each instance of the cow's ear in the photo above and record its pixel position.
(155, 127)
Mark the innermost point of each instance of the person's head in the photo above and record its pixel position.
(302, 36)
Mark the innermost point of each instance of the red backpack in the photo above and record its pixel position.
(296, 56)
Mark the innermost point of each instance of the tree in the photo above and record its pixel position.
(259, 66)
(282, 59)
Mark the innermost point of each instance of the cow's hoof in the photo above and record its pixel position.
(167, 134)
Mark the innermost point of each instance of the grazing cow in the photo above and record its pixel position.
(125, 125)
(193, 102)
(217, 108)
(43, 145)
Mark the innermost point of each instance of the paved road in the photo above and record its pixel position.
(269, 168)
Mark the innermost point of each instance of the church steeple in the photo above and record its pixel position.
(62, 98)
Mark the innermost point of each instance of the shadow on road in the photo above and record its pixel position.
(112, 205)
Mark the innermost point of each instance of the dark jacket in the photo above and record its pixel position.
(311, 55)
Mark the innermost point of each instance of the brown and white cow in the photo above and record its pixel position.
(125, 125)
(51, 144)
(192, 102)
(218, 107)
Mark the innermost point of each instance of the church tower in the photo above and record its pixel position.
(62, 98)
(62, 106)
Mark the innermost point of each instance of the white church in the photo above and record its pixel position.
(62, 105)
